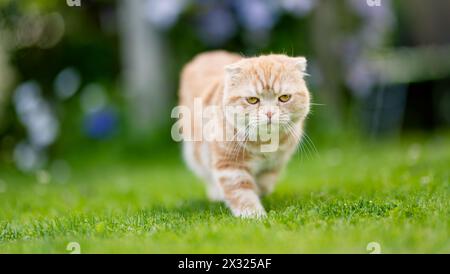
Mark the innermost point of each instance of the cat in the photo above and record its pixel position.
(268, 90)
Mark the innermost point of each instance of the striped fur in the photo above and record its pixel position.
(238, 172)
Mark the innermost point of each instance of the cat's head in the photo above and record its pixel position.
(269, 89)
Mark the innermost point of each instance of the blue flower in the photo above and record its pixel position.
(101, 124)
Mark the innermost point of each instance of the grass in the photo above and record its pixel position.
(335, 201)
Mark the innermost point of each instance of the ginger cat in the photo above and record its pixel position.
(268, 91)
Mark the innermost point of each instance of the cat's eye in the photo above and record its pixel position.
(252, 100)
(284, 98)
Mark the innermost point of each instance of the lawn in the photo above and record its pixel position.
(338, 199)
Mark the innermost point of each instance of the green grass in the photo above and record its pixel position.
(336, 200)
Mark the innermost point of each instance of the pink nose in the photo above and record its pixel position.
(269, 114)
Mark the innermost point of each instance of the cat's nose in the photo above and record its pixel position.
(269, 115)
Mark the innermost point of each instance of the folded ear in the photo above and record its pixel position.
(232, 69)
(300, 63)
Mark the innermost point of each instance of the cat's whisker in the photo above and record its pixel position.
(304, 146)
(232, 141)
(310, 141)
(298, 146)
(236, 142)
(309, 145)
(239, 146)
(247, 138)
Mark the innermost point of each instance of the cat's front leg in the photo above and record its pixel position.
(266, 181)
(240, 192)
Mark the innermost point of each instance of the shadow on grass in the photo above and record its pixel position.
(318, 206)
(190, 208)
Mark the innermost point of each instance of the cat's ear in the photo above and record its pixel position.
(232, 69)
(300, 63)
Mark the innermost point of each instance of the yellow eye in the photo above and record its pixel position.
(284, 98)
(252, 100)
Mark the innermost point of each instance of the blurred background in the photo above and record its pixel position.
(105, 73)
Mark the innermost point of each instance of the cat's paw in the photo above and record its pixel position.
(256, 212)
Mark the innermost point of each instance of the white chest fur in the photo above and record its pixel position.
(266, 161)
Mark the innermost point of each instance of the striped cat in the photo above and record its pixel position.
(268, 91)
